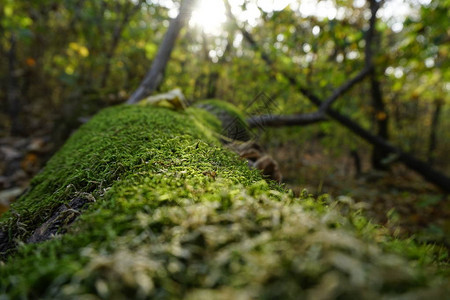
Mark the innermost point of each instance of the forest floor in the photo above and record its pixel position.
(20, 159)
(399, 199)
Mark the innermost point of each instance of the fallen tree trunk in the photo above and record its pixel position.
(145, 202)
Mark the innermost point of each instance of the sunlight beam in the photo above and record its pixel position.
(209, 15)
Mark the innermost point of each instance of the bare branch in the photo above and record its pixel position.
(336, 94)
(288, 120)
(345, 87)
(12, 87)
(368, 59)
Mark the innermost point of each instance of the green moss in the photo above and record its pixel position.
(233, 121)
(221, 105)
(177, 215)
(204, 118)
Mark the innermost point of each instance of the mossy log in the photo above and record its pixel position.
(145, 202)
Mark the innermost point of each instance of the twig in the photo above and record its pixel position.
(344, 88)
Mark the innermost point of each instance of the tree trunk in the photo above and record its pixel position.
(381, 123)
(13, 93)
(212, 85)
(357, 162)
(380, 115)
(434, 126)
(155, 75)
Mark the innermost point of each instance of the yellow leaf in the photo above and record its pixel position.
(69, 70)
(8, 10)
(83, 51)
(80, 49)
(74, 46)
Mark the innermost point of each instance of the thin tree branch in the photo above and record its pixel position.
(13, 91)
(329, 101)
(290, 120)
(368, 61)
(345, 87)
(272, 120)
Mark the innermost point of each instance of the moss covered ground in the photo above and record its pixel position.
(171, 213)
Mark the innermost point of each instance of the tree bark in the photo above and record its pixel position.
(380, 115)
(381, 123)
(154, 76)
(434, 126)
(289, 120)
(357, 162)
(13, 94)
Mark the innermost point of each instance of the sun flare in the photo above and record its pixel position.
(209, 15)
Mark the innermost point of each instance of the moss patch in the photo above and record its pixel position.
(174, 214)
(234, 124)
